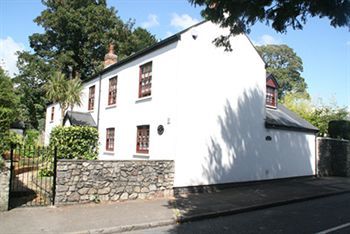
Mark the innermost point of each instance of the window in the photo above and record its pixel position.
(110, 139)
(91, 98)
(145, 80)
(271, 91)
(52, 113)
(112, 91)
(142, 139)
(271, 96)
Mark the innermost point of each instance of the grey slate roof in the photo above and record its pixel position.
(282, 118)
(79, 118)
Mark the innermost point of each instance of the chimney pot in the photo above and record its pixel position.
(110, 57)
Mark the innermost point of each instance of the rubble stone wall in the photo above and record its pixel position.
(81, 181)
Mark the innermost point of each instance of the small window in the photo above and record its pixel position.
(145, 80)
(142, 139)
(52, 113)
(112, 91)
(91, 98)
(271, 91)
(271, 96)
(110, 139)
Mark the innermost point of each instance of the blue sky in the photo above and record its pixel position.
(325, 50)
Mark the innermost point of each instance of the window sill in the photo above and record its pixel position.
(271, 107)
(91, 111)
(144, 99)
(141, 156)
(108, 152)
(51, 121)
(111, 106)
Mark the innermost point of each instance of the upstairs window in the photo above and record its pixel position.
(142, 145)
(110, 139)
(91, 98)
(52, 113)
(112, 91)
(271, 91)
(145, 80)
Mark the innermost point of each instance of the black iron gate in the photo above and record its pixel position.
(33, 176)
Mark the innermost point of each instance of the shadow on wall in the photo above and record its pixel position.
(244, 154)
(240, 152)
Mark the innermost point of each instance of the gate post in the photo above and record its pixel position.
(5, 184)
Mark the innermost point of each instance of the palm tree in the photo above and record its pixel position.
(65, 92)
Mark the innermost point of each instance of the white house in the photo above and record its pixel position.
(214, 112)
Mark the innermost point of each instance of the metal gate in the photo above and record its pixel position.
(33, 176)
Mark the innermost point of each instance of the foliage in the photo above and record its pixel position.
(9, 139)
(31, 138)
(65, 92)
(239, 16)
(286, 66)
(75, 142)
(33, 73)
(318, 115)
(77, 33)
(339, 129)
(46, 172)
(8, 102)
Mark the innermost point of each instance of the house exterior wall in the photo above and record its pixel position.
(50, 124)
(212, 106)
(220, 132)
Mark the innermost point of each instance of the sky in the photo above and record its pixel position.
(324, 50)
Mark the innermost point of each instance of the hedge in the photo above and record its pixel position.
(75, 142)
(339, 129)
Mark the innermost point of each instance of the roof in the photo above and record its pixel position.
(147, 50)
(18, 125)
(79, 118)
(282, 118)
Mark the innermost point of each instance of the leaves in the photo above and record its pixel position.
(239, 16)
(286, 66)
(75, 142)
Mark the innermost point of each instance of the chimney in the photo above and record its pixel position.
(110, 57)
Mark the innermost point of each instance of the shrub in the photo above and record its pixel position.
(31, 137)
(339, 129)
(75, 142)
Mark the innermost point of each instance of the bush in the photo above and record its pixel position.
(31, 137)
(75, 142)
(339, 129)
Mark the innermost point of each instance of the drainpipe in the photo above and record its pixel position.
(99, 101)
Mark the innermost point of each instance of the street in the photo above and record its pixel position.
(321, 216)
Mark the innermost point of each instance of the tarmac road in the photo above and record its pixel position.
(325, 215)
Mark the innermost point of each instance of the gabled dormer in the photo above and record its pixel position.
(271, 91)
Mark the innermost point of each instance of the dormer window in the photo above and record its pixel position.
(271, 91)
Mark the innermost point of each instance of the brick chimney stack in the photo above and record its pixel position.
(110, 57)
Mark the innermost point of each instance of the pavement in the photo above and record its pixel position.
(142, 214)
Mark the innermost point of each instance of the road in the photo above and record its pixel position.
(326, 215)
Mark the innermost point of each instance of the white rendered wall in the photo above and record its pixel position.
(50, 124)
(220, 132)
(130, 111)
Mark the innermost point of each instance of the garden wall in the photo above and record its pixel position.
(81, 181)
(4, 185)
(333, 157)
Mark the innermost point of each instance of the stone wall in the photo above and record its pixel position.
(4, 185)
(80, 181)
(334, 157)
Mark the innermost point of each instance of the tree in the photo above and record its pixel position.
(65, 92)
(78, 32)
(8, 103)
(239, 16)
(33, 73)
(286, 66)
(318, 115)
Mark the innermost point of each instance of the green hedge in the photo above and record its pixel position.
(75, 142)
(339, 129)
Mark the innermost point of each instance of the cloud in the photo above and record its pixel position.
(152, 21)
(267, 40)
(182, 21)
(348, 43)
(8, 57)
